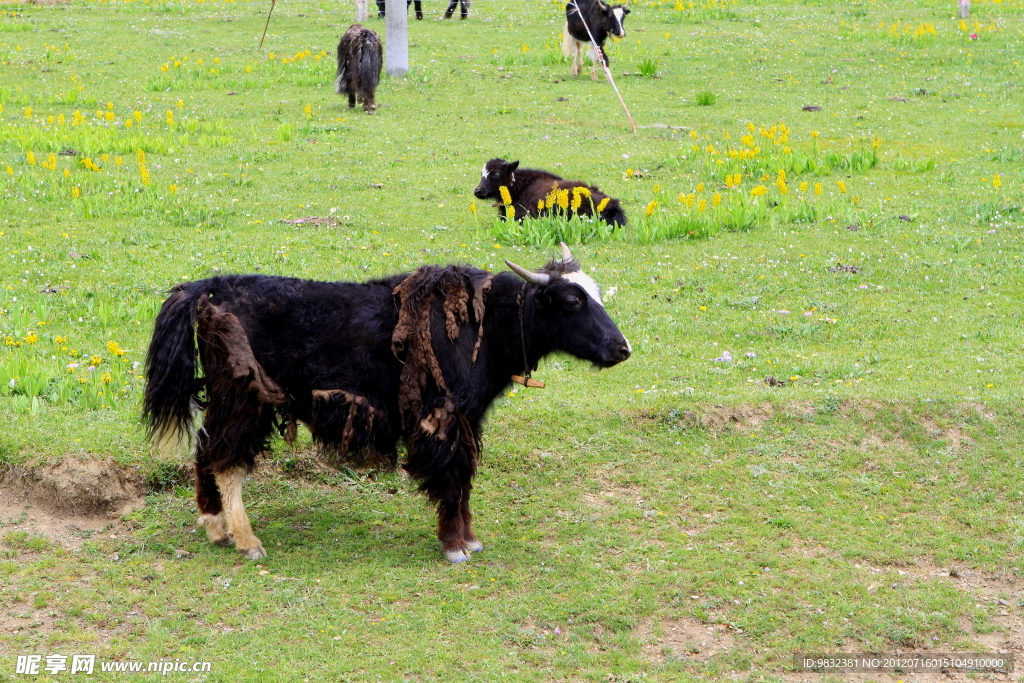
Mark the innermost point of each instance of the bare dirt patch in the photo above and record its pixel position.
(683, 638)
(69, 501)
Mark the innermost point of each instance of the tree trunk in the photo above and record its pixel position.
(965, 8)
(360, 11)
(396, 37)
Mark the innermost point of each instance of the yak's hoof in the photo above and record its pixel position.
(475, 546)
(254, 553)
(456, 556)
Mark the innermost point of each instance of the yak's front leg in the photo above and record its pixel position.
(454, 527)
(229, 482)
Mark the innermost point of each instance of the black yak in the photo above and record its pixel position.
(602, 19)
(532, 192)
(416, 358)
(360, 58)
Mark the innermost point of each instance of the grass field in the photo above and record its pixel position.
(814, 448)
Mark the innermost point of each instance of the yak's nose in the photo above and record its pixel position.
(623, 352)
(479, 193)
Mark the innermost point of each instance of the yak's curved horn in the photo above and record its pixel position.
(528, 275)
(566, 254)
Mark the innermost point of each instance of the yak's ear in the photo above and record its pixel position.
(625, 11)
(511, 166)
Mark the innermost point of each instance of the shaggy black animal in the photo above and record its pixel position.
(415, 358)
(602, 19)
(419, 8)
(532, 192)
(360, 59)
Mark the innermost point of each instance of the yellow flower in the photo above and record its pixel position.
(129, 123)
(650, 208)
(758, 191)
(59, 339)
(118, 160)
(173, 189)
(540, 205)
(472, 208)
(510, 211)
(997, 181)
(106, 378)
(702, 204)
(716, 199)
(28, 112)
(690, 199)
(31, 337)
(506, 197)
(30, 158)
(803, 186)
(750, 127)
(563, 199)
(700, 187)
(783, 188)
(657, 188)
(817, 188)
(693, 134)
(114, 348)
(308, 111)
(181, 103)
(170, 117)
(604, 203)
(60, 119)
(577, 198)
(814, 133)
(95, 360)
(10, 171)
(747, 140)
(782, 175)
(842, 187)
(75, 192)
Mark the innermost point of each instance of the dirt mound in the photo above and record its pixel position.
(74, 487)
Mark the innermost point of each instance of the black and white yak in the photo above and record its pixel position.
(360, 59)
(602, 19)
(416, 358)
(522, 192)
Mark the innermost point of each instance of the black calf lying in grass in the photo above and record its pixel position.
(532, 192)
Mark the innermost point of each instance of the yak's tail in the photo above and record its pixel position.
(613, 214)
(370, 62)
(570, 46)
(341, 82)
(171, 367)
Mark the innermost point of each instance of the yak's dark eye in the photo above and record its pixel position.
(572, 301)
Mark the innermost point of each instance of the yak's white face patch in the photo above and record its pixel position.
(587, 283)
(483, 173)
(618, 13)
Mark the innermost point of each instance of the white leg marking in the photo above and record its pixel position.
(216, 532)
(455, 556)
(230, 484)
(587, 283)
(475, 546)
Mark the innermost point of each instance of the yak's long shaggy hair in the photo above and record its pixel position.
(360, 58)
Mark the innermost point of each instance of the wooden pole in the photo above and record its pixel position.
(965, 8)
(361, 13)
(268, 22)
(396, 37)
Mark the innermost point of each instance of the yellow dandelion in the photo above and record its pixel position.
(173, 189)
(758, 191)
(129, 123)
(603, 204)
(750, 127)
(95, 360)
(506, 197)
(114, 348)
(693, 134)
(31, 337)
(59, 339)
(650, 208)
(10, 171)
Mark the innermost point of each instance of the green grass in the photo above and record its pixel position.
(877, 275)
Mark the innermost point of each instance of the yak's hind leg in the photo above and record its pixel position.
(241, 400)
(229, 482)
